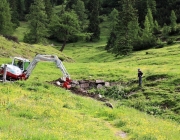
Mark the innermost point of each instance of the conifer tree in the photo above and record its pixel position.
(151, 4)
(165, 31)
(123, 44)
(37, 20)
(70, 4)
(80, 10)
(27, 5)
(148, 39)
(64, 26)
(113, 20)
(94, 8)
(147, 27)
(14, 13)
(21, 9)
(150, 20)
(173, 19)
(5, 18)
(48, 8)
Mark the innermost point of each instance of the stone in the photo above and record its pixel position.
(99, 81)
(58, 83)
(99, 86)
(84, 85)
(107, 84)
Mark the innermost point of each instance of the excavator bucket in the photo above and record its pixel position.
(67, 84)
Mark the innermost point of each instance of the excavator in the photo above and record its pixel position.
(21, 68)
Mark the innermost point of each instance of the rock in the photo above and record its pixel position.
(109, 105)
(99, 95)
(99, 81)
(107, 84)
(84, 85)
(99, 86)
(58, 83)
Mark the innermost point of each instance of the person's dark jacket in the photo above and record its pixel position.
(140, 73)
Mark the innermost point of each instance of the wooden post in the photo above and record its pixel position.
(4, 74)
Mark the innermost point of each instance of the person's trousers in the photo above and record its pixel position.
(140, 81)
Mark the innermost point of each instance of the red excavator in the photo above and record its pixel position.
(21, 68)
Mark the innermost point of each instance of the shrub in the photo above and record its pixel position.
(116, 92)
(13, 38)
(170, 42)
(144, 43)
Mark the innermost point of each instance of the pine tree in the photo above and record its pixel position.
(37, 20)
(173, 19)
(5, 18)
(94, 7)
(124, 39)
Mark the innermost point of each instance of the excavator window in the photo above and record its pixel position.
(26, 64)
(20, 64)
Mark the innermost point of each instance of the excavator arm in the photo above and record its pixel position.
(66, 77)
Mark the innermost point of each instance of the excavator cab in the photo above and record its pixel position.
(22, 63)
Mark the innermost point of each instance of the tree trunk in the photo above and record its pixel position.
(63, 45)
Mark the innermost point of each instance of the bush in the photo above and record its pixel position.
(29, 38)
(170, 42)
(159, 45)
(116, 92)
(144, 43)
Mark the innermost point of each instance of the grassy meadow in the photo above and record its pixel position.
(35, 109)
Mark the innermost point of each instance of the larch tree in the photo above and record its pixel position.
(63, 26)
(6, 26)
(80, 10)
(37, 19)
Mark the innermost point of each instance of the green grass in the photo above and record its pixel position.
(53, 113)
(21, 30)
(35, 109)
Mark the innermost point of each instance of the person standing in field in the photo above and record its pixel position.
(140, 74)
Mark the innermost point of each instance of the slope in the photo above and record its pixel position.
(34, 109)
